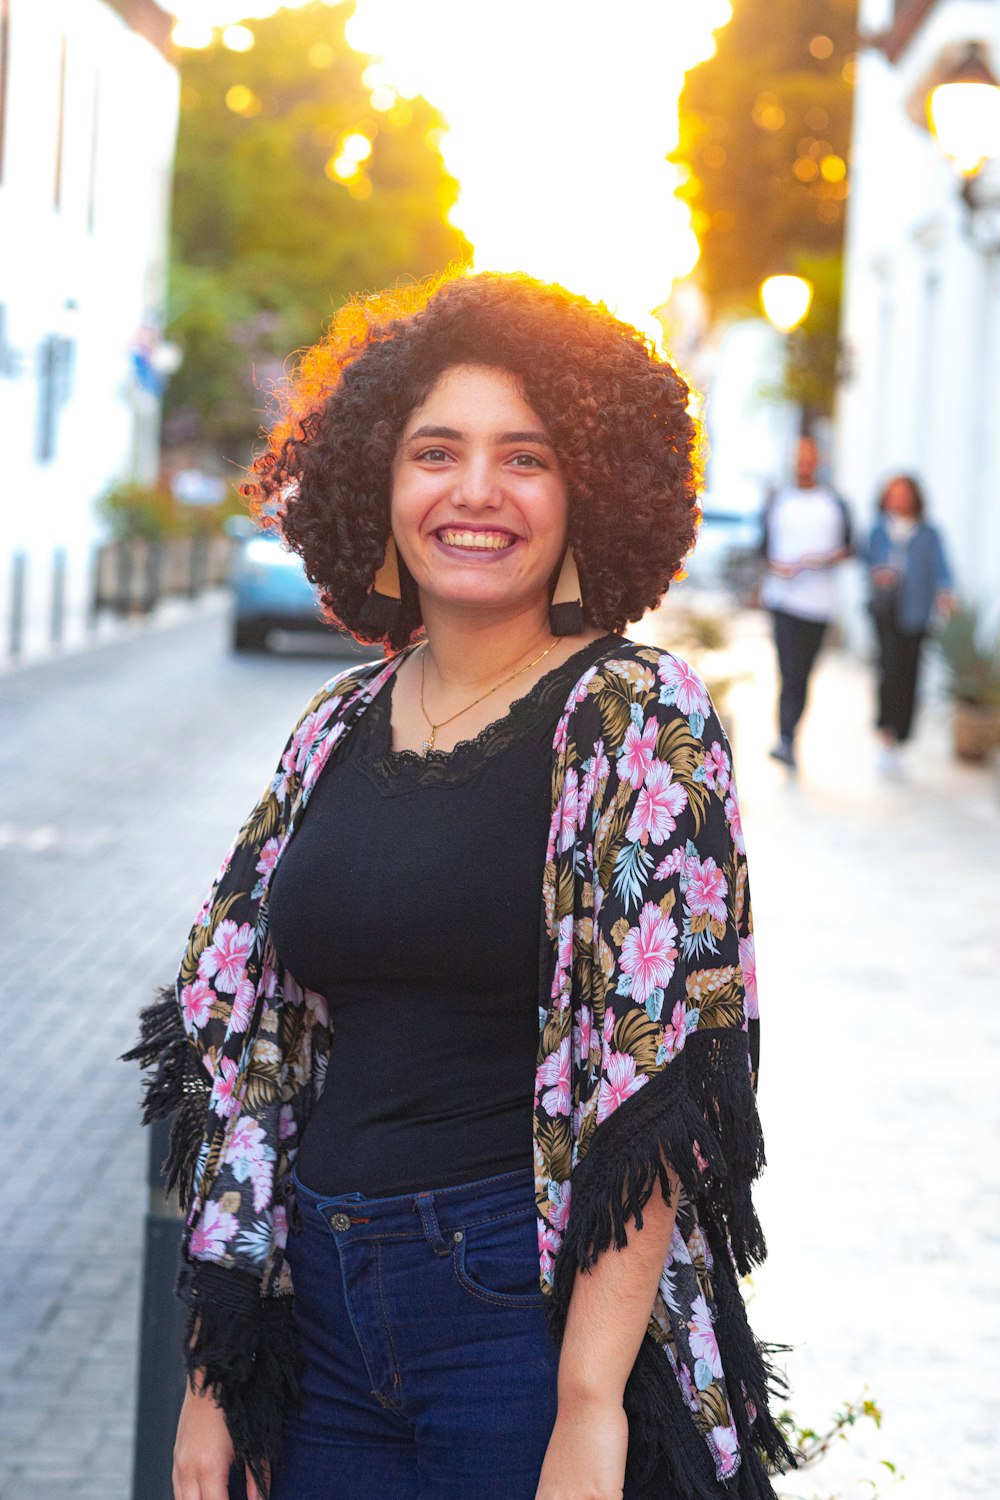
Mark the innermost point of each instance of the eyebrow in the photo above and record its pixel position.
(458, 437)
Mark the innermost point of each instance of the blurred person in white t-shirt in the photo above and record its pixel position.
(807, 534)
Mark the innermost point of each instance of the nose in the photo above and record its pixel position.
(477, 485)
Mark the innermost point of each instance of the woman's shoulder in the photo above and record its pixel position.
(644, 681)
(636, 662)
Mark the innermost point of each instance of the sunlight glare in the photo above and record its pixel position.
(558, 133)
(559, 118)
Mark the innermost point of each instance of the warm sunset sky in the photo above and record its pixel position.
(560, 115)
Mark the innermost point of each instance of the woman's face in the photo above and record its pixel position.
(479, 505)
(899, 499)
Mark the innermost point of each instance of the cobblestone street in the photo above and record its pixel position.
(126, 771)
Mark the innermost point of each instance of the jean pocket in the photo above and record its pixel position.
(497, 1261)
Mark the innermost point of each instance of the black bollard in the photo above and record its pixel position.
(161, 1335)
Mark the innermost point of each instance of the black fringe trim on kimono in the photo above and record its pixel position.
(243, 1343)
(179, 1088)
(246, 1349)
(704, 1099)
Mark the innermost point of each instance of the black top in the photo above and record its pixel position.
(410, 897)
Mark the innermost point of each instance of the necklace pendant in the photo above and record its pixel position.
(428, 744)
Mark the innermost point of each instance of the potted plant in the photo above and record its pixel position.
(973, 663)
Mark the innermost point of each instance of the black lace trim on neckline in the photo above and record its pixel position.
(402, 770)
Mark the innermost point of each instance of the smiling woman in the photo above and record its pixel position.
(464, 1042)
(616, 439)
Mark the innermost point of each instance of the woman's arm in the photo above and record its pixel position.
(607, 1320)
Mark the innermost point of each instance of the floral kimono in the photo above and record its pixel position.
(647, 1056)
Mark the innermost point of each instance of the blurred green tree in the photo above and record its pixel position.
(301, 178)
(765, 129)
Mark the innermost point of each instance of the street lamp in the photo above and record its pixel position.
(786, 301)
(963, 114)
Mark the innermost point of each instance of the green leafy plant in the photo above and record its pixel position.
(150, 513)
(972, 659)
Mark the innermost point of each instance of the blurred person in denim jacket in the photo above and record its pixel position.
(910, 582)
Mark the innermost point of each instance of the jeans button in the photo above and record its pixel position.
(340, 1221)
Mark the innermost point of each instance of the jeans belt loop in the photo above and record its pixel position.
(430, 1225)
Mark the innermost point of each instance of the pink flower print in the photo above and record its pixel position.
(675, 1032)
(706, 889)
(609, 1027)
(557, 1072)
(279, 1232)
(595, 773)
(718, 768)
(214, 1231)
(561, 737)
(268, 858)
(735, 822)
(727, 1447)
(321, 757)
(308, 733)
(700, 1161)
(602, 766)
(243, 1005)
(565, 941)
(246, 1144)
(636, 754)
(568, 806)
(670, 865)
(226, 958)
(317, 1004)
(549, 1241)
(580, 691)
(619, 1083)
(658, 806)
(223, 1102)
(683, 686)
(583, 1033)
(649, 952)
(688, 1388)
(262, 1182)
(197, 1000)
(286, 1123)
(748, 963)
(703, 1341)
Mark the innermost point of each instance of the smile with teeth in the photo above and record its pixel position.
(477, 541)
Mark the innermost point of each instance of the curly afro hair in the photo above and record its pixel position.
(616, 412)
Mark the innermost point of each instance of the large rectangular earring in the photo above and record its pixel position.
(380, 611)
(566, 609)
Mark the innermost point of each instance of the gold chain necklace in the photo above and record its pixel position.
(428, 744)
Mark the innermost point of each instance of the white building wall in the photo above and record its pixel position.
(922, 308)
(91, 269)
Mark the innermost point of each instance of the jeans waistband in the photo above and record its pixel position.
(433, 1214)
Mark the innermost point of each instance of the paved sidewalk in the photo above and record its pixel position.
(125, 772)
(877, 910)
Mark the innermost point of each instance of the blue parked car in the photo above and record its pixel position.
(271, 591)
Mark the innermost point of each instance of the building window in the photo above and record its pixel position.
(60, 125)
(4, 64)
(55, 377)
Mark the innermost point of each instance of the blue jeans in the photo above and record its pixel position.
(429, 1371)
